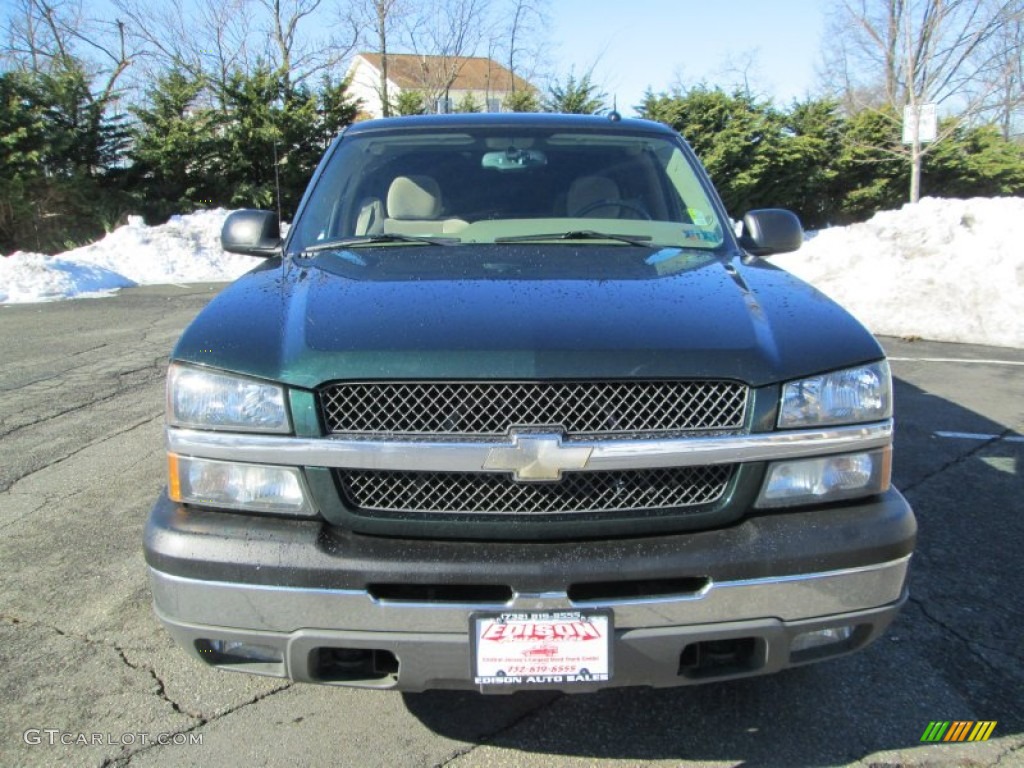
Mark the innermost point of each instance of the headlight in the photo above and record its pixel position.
(842, 397)
(232, 485)
(827, 478)
(204, 399)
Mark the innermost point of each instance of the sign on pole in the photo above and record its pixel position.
(927, 123)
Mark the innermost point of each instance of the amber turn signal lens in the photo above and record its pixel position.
(173, 478)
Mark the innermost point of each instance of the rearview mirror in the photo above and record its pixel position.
(251, 232)
(771, 230)
(514, 159)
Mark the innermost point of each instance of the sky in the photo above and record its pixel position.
(636, 44)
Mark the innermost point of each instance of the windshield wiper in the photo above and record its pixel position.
(355, 242)
(579, 234)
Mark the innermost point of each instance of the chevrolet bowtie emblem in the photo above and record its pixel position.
(538, 457)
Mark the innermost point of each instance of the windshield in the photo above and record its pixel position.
(503, 185)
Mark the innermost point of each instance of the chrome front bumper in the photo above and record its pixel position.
(431, 642)
(287, 609)
(306, 600)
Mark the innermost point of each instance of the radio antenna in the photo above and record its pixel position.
(277, 184)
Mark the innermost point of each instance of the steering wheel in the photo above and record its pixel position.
(598, 204)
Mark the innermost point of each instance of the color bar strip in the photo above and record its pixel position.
(935, 731)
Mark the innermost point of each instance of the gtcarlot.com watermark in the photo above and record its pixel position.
(55, 737)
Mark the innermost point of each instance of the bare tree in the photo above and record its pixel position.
(47, 36)
(741, 70)
(442, 34)
(37, 34)
(522, 29)
(1003, 77)
(209, 41)
(301, 55)
(216, 40)
(892, 54)
(379, 19)
(29, 44)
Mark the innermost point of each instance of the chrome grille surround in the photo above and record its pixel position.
(577, 408)
(498, 494)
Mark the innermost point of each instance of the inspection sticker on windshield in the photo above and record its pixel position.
(552, 648)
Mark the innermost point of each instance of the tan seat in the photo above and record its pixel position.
(370, 220)
(599, 194)
(414, 197)
(413, 207)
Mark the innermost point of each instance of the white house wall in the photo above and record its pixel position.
(365, 85)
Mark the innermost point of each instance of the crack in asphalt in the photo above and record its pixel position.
(972, 645)
(122, 389)
(958, 460)
(1012, 752)
(56, 374)
(159, 364)
(125, 759)
(15, 621)
(161, 688)
(160, 691)
(490, 738)
(24, 515)
(5, 486)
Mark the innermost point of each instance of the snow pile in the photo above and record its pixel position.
(186, 249)
(28, 277)
(949, 270)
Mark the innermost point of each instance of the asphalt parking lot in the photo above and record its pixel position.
(90, 678)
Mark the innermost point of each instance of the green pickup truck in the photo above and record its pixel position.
(516, 405)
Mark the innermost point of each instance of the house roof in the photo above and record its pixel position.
(475, 73)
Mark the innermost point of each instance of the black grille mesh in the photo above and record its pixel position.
(492, 408)
(485, 493)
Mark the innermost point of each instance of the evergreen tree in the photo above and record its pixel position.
(337, 108)
(22, 149)
(409, 102)
(268, 133)
(975, 162)
(522, 101)
(468, 103)
(272, 135)
(576, 97)
(59, 155)
(173, 152)
(872, 178)
(84, 140)
(803, 171)
(300, 129)
(249, 137)
(22, 126)
(736, 139)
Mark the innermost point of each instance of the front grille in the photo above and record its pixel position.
(484, 493)
(492, 408)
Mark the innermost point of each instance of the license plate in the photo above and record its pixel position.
(532, 649)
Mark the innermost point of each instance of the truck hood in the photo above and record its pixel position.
(523, 312)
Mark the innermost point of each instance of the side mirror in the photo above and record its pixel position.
(251, 232)
(771, 230)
